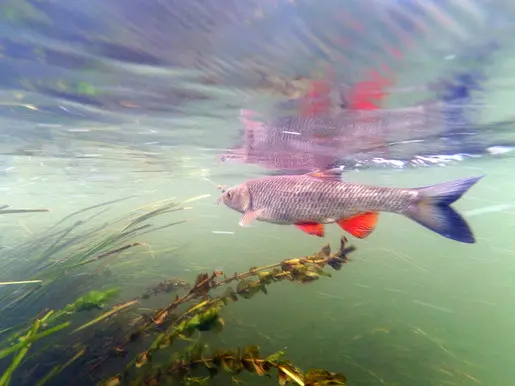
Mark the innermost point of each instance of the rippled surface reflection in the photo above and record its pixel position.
(155, 74)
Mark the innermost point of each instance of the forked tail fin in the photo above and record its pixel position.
(433, 210)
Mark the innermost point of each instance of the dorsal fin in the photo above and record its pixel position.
(334, 174)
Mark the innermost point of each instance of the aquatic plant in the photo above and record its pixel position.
(205, 315)
(182, 367)
(4, 210)
(303, 270)
(58, 337)
(58, 253)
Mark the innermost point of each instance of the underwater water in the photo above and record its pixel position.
(119, 120)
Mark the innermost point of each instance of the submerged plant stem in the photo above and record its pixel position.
(109, 313)
(13, 211)
(57, 369)
(20, 282)
(8, 351)
(24, 349)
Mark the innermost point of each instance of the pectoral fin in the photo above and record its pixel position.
(249, 216)
(360, 225)
(312, 228)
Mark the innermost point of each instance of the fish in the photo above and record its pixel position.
(326, 127)
(356, 128)
(311, 200)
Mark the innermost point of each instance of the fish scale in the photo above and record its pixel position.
(305, 198)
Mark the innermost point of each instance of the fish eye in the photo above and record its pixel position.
(229, 194)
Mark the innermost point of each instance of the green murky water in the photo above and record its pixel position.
(411, 308)
(114, 114)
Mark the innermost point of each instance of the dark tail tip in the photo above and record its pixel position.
(433, 210)
(445, 221)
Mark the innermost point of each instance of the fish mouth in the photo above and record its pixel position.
(222, 189)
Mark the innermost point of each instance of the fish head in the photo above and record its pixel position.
(237, 198)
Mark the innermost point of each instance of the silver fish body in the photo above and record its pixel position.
(294, 199)
(322, 198)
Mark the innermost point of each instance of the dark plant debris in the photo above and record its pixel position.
(186, 368)
(205, 314)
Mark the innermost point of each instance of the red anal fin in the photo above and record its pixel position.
(317, 100)
(360, 225)
(312, 228)
(368, 95)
